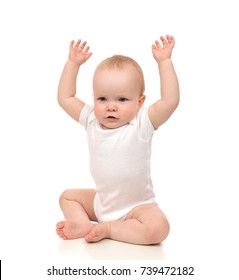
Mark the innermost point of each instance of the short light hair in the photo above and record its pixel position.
(120, 62)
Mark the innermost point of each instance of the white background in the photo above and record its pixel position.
(195, 154)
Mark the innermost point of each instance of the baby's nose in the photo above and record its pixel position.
(112, 107)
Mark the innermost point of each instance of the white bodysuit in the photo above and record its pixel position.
(119, 164)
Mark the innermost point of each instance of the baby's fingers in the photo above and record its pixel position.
(164, 42)
(86, 50)
(157, 45)
(82, 46)
(72, 44)
(170, 40)
(77, 43)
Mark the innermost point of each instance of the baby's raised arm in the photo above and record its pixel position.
(162, 109)
(79, 54)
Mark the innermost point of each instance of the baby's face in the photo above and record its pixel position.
(116, 96)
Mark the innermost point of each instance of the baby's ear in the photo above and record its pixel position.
(141, 101)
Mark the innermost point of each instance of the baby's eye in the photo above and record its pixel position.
(102, 99)
(122, 99)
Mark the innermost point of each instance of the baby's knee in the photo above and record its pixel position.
(66, 195)
(157, 231)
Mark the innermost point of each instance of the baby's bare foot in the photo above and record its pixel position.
(72, 229)
(99, 232)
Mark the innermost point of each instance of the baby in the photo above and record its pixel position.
(119, 131)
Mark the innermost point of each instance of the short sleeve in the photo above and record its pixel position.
(85, 114)
(145, 126)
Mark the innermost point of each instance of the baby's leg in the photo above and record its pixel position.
(77, 207)
(145, 224)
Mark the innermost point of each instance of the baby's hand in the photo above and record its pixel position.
(79, 53)
(161, 53)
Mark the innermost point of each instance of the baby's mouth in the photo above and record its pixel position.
(112, 118)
